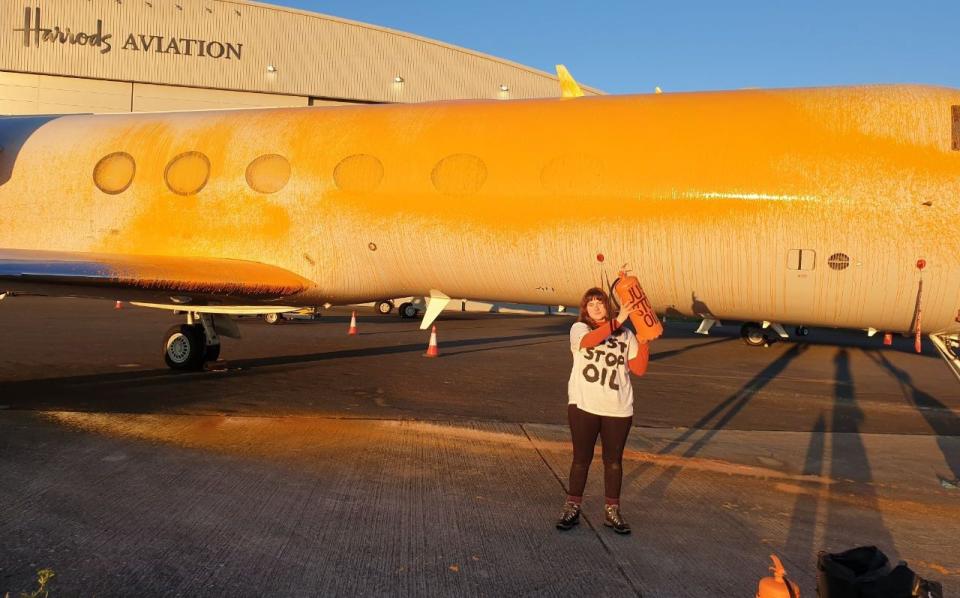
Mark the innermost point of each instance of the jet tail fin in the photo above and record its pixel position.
(569, 88)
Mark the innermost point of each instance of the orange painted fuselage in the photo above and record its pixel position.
(711, 198)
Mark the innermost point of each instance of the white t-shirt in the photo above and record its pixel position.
(600, 379)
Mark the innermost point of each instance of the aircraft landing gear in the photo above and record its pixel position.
(408, 311)
(802, 331)
(384, 307)
(753, 335)
(184, 347)
(189, 346)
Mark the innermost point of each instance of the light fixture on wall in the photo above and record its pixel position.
(398, 79)
(504, 87)
(271, 68)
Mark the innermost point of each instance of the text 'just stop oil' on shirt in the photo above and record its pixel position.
(600, 379)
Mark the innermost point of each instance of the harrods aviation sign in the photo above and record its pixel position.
(35, 33)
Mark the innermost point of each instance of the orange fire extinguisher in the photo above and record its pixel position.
(777, 586)
(632, 298)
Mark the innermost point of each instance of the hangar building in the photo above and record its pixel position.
(68, 56)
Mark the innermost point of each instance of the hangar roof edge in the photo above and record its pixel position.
(405, 34)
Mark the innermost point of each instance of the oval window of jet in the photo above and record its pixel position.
(269, 173)
(459, 174)
(187, 173)
(360, 173)
(114, 173)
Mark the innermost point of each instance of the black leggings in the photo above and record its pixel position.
(613, 431)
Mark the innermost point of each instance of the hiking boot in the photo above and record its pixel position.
(613, 518)
(569, 515)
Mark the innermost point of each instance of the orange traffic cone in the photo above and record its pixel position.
(353, 324)
(888, 338)
(432, 350)
(118, 305)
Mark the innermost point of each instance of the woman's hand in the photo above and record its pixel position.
(622, 316)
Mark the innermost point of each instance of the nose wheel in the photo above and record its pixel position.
(753, 335)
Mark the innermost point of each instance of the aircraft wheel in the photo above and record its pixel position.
(384, 307)
(408, 311)
(184, 347)
(272, 318)
(802, 331)
(753, 335)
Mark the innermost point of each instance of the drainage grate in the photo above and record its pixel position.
(839, 261)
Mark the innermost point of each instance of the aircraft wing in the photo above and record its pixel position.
(157, 279)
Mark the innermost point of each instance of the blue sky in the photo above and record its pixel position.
(624, 47)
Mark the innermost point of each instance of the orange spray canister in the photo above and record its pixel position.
(631, 297)
(777, 586)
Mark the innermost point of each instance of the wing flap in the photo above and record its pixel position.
(138, 277)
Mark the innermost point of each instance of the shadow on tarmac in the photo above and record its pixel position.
(45, 393)
(727, 409)
(941, 419)
(711, 422)
(675, 352)
(849, 467)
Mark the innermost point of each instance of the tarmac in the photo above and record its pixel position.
(313, 463)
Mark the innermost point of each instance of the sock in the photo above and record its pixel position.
(612, 501)
(575, 499)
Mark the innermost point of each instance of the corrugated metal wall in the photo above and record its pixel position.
(158, 98)
(311, 55)
(42, 94)
(47, 94)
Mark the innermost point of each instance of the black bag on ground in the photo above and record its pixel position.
(865, 572)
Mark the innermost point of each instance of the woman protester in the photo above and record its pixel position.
(600, 402)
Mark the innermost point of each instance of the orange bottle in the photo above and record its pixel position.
(631, 297)
(777, 586)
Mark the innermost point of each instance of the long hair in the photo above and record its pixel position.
(590, 295)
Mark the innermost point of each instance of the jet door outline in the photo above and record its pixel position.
(799, 284)
(801, 259)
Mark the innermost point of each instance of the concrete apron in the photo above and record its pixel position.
(181, 504)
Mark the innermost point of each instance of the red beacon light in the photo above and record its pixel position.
(600, 257)
(921, 264)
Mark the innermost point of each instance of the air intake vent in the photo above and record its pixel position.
(839, 261)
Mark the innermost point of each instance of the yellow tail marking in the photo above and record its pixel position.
(568, 85)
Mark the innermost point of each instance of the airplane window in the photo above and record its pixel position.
(459, 174)
(839, 261)
(359, 173)
(269, 173)
(114, 172)
(187, 173)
